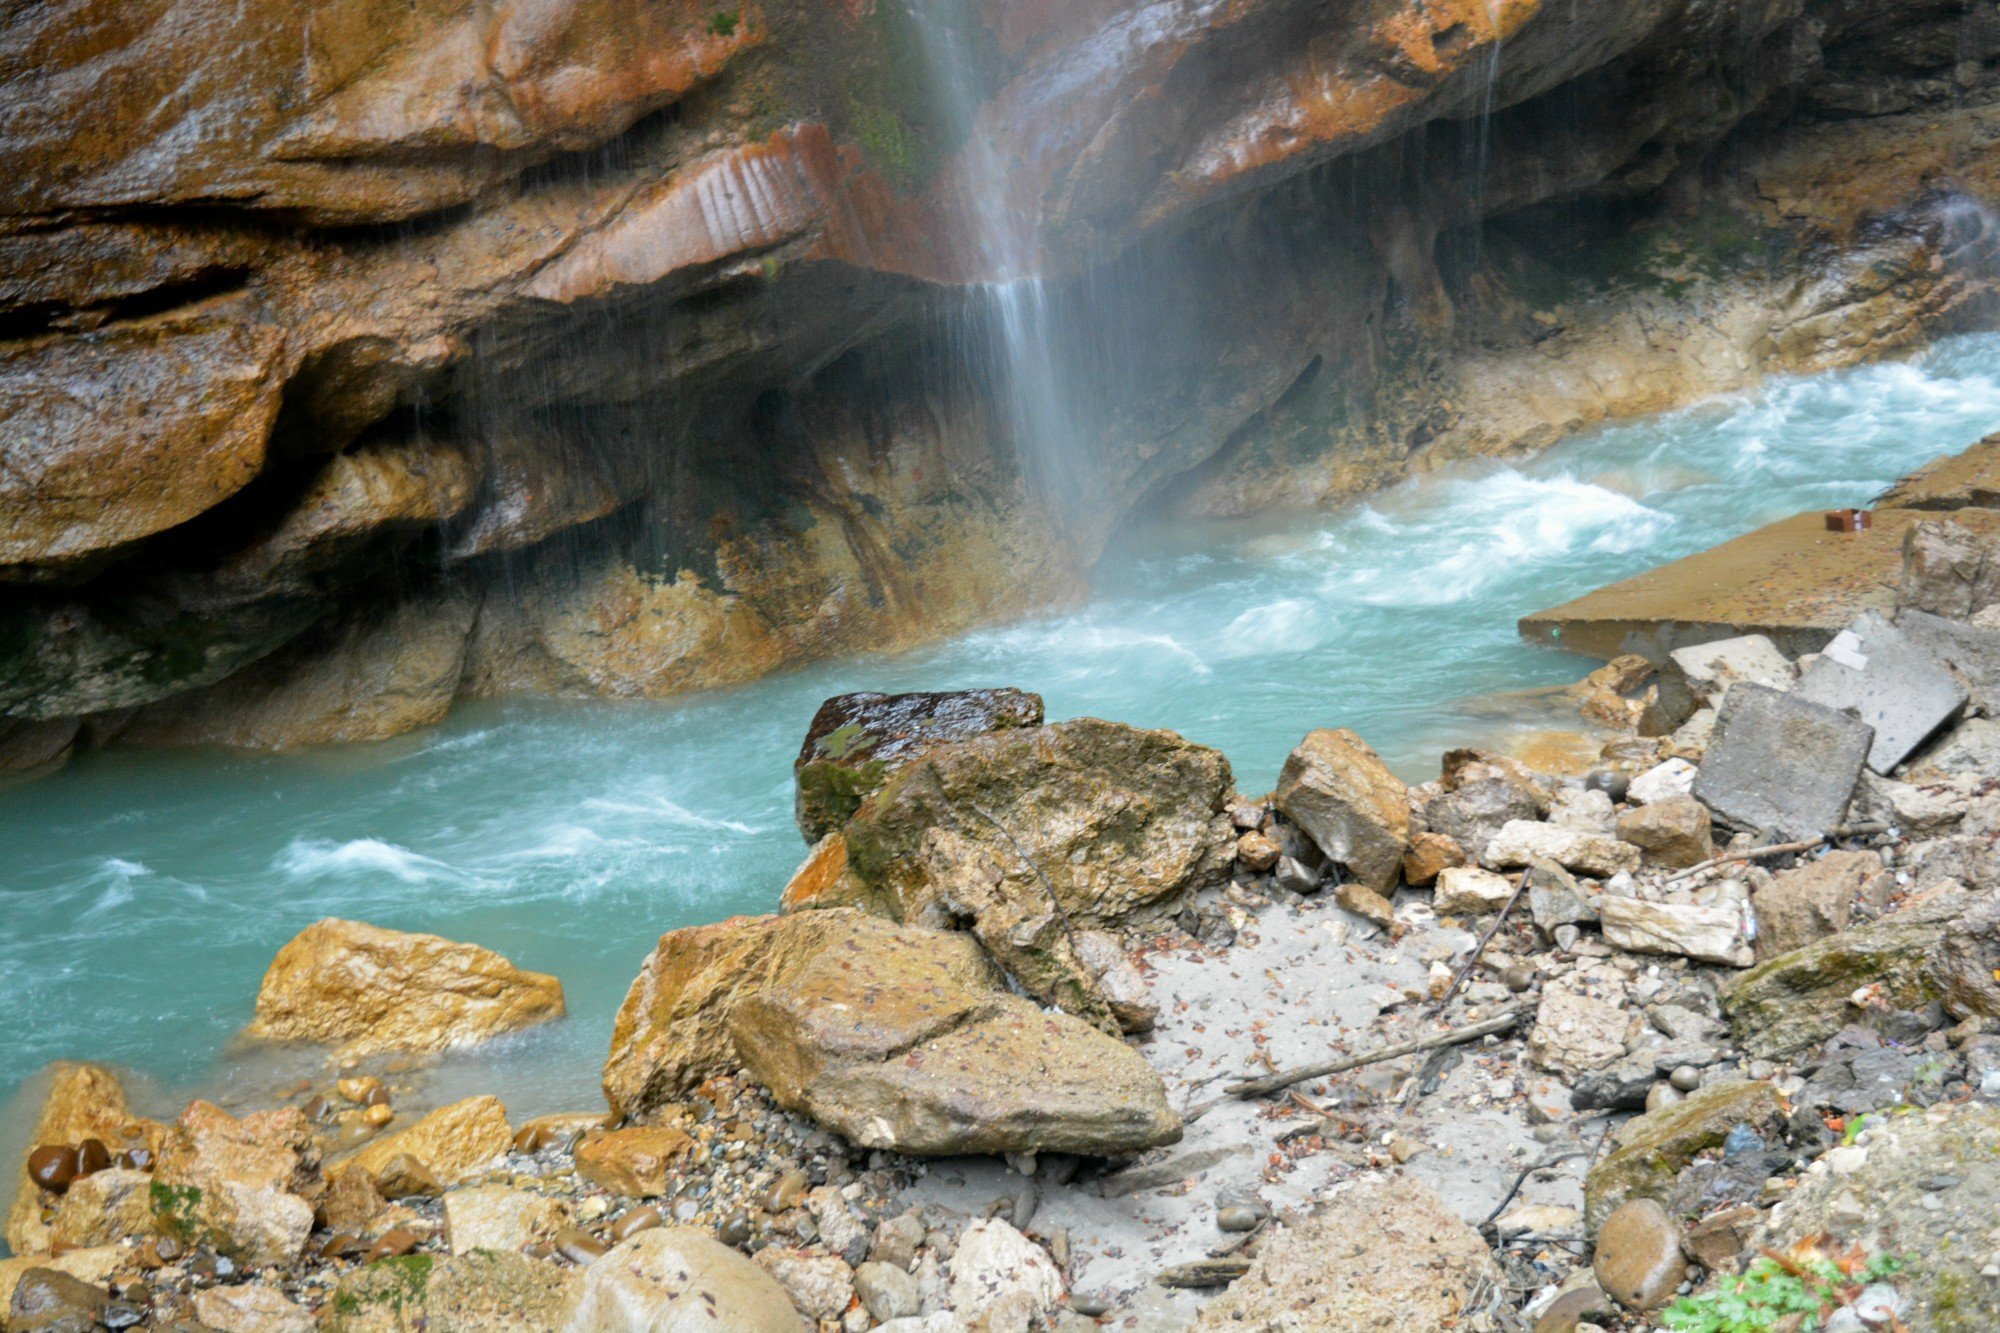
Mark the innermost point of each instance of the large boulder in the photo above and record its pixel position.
(1648, 1153)
(895, 1035)
(672, 1031)
(365, 989)
(1415, 1265)
(1115, 822)
(1944, 948)
(1348, 802)
(245, 1188)
(84, 1101)
(894, 1041)
(857, 740)
(1949, 570)
(676, 1280)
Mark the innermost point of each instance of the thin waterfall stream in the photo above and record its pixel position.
(146, 892)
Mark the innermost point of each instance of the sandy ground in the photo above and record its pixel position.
(1305, 982)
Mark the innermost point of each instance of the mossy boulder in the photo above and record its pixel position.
(1943, 947)
(1114, 822)
(1653, 1150)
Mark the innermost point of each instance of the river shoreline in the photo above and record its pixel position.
(1289, 957)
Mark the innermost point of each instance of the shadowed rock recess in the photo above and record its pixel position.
(655, 342)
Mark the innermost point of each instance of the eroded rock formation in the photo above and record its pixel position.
(648, 340)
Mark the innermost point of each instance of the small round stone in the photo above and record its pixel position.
(1238, 1217)
(52, 1166)
(1687, 1078)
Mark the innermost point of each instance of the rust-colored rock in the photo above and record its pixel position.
(365, 989)
(636, 1163)
(115, 436)
(453, 1142)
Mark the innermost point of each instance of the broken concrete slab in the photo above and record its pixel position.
(1968, 480)
(1872, 670)
(1792, 580)
(1969, 652)
(1782, 763)
(1698, 675)
(1522, 842)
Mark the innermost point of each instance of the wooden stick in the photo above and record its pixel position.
(1257, 1087)
(1778, 849)
(1204, 1273)
(1484, 940)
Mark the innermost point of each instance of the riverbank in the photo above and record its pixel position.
(1734, 986)
(640, 818)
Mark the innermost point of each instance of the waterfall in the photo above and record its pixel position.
(1011, 301)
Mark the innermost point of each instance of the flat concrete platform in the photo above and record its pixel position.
(1969, 480)
(1792, 580)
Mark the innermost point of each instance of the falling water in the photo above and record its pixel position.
(997, 231)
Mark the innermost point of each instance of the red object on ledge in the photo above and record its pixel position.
(1848, 520)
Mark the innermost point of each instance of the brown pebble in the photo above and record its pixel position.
(358, 1090)
(91, 1157)
(376, 1096)
(400, 1240)
(132, 1289)
(579, 1247)
(378, 1114)
(318, 1109)
(340, 1243)
(635, 1221)
(52, 1166)
(786, 1192)
(531, 1138)
(136, 1159)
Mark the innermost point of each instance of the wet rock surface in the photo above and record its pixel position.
(360, 291)
(365, 989)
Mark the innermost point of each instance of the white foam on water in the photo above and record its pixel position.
(318, 858)
(672, 811)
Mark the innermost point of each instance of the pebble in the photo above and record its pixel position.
(1239, 1217)
(579, 1247)
(1742, 1139)
(359, 1090)
(1663, 1095)
(1639, 1261)
(735, 1229)
(52, 1166)
(786, 1191)
(1686, 1078)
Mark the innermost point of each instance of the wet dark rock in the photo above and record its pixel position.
(1619, 1087)
(857, 740)
(1295, 876)
(53, 1166)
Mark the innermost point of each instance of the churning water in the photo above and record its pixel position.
(145, 893)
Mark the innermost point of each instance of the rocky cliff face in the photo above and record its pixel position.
(386, 353)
